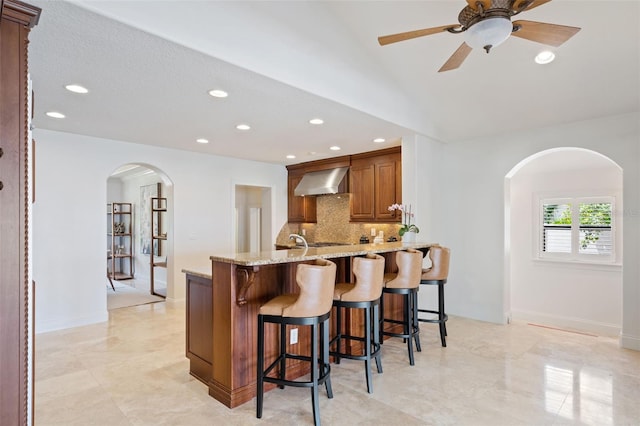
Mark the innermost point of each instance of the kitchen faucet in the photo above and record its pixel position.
(299, 237)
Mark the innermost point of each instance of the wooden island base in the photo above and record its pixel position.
(221, 322)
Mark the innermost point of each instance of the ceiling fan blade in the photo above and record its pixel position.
(457, 58)
(551, 34)
(473, 4)
(393, 38)
(522, 5)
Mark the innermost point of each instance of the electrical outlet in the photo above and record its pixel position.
(293, 336)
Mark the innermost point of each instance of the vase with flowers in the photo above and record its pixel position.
(408, 230)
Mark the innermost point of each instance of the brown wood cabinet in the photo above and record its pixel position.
(376, 183)
(300, 209)
(16, 394)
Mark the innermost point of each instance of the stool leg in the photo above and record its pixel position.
(405, 315)
(443, 327)
(260, 375)
(376, 335)
(414, 318)
(339, 331)
(314, 374)
(324, 341)
(283, 351)
(367, 347)
(381, 321)
(407, 327)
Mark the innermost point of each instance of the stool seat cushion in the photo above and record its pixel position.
(368, 272)
(316, 282)
(277, 305)
(439, 269)
(341, 289)
(389, 276)
(409, 270)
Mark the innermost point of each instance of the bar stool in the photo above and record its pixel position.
(365, 294)
(437, 275)
(406, 283)
(311, 308)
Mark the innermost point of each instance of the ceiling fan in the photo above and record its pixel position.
(486, 24)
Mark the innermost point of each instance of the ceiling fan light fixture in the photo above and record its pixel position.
(488, 33)
(545, 57)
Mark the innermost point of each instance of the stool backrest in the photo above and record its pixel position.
(317, 282)
(409, 269)
(439, 264)
(369, 276)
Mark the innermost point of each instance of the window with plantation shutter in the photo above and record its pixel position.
(578, 229)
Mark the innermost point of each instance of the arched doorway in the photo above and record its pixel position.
(578, 293)
(139, 234)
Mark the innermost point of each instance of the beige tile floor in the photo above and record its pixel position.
(132, 371)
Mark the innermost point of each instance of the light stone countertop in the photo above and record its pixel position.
(199, 271)
(312, 253)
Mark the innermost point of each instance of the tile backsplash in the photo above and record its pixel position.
(333, 224)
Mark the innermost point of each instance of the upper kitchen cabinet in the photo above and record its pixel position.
(302, 209)
(375, 183)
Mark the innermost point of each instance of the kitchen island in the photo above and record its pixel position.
(222, 307)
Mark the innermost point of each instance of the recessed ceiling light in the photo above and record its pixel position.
(76, 88)
(316, 121)
(202, 140)
(217, 93)
(291, 156)
(379, 140)
(243, 127)
(54, 114)
(335, 148)
(545, 57)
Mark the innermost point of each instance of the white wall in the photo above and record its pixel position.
(579, 296)
(470, 215)
(69, 225)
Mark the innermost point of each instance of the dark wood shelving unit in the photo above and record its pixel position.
(120, 241)
(158, 240)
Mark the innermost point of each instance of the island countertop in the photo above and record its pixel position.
(303, 254)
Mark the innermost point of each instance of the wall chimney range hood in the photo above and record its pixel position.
(321, 182)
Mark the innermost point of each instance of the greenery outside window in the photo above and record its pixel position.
(577, 229)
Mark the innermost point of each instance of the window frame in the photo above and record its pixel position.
(574, 256)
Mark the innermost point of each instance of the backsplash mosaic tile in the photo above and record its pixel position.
(334, 226)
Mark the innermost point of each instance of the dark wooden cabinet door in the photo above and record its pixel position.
(376, 183)
(385, 183)
(300, 209)
(362, 188)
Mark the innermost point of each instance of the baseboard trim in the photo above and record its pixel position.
(578, 324)
(47, 326)
(629, 342)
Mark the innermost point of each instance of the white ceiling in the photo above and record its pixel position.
(149, 64)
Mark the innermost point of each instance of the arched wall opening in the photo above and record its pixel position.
(569, 294)
(136, 184)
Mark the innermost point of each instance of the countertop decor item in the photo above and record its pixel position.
(407, 215)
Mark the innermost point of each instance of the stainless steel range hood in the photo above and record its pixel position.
(321, 182)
